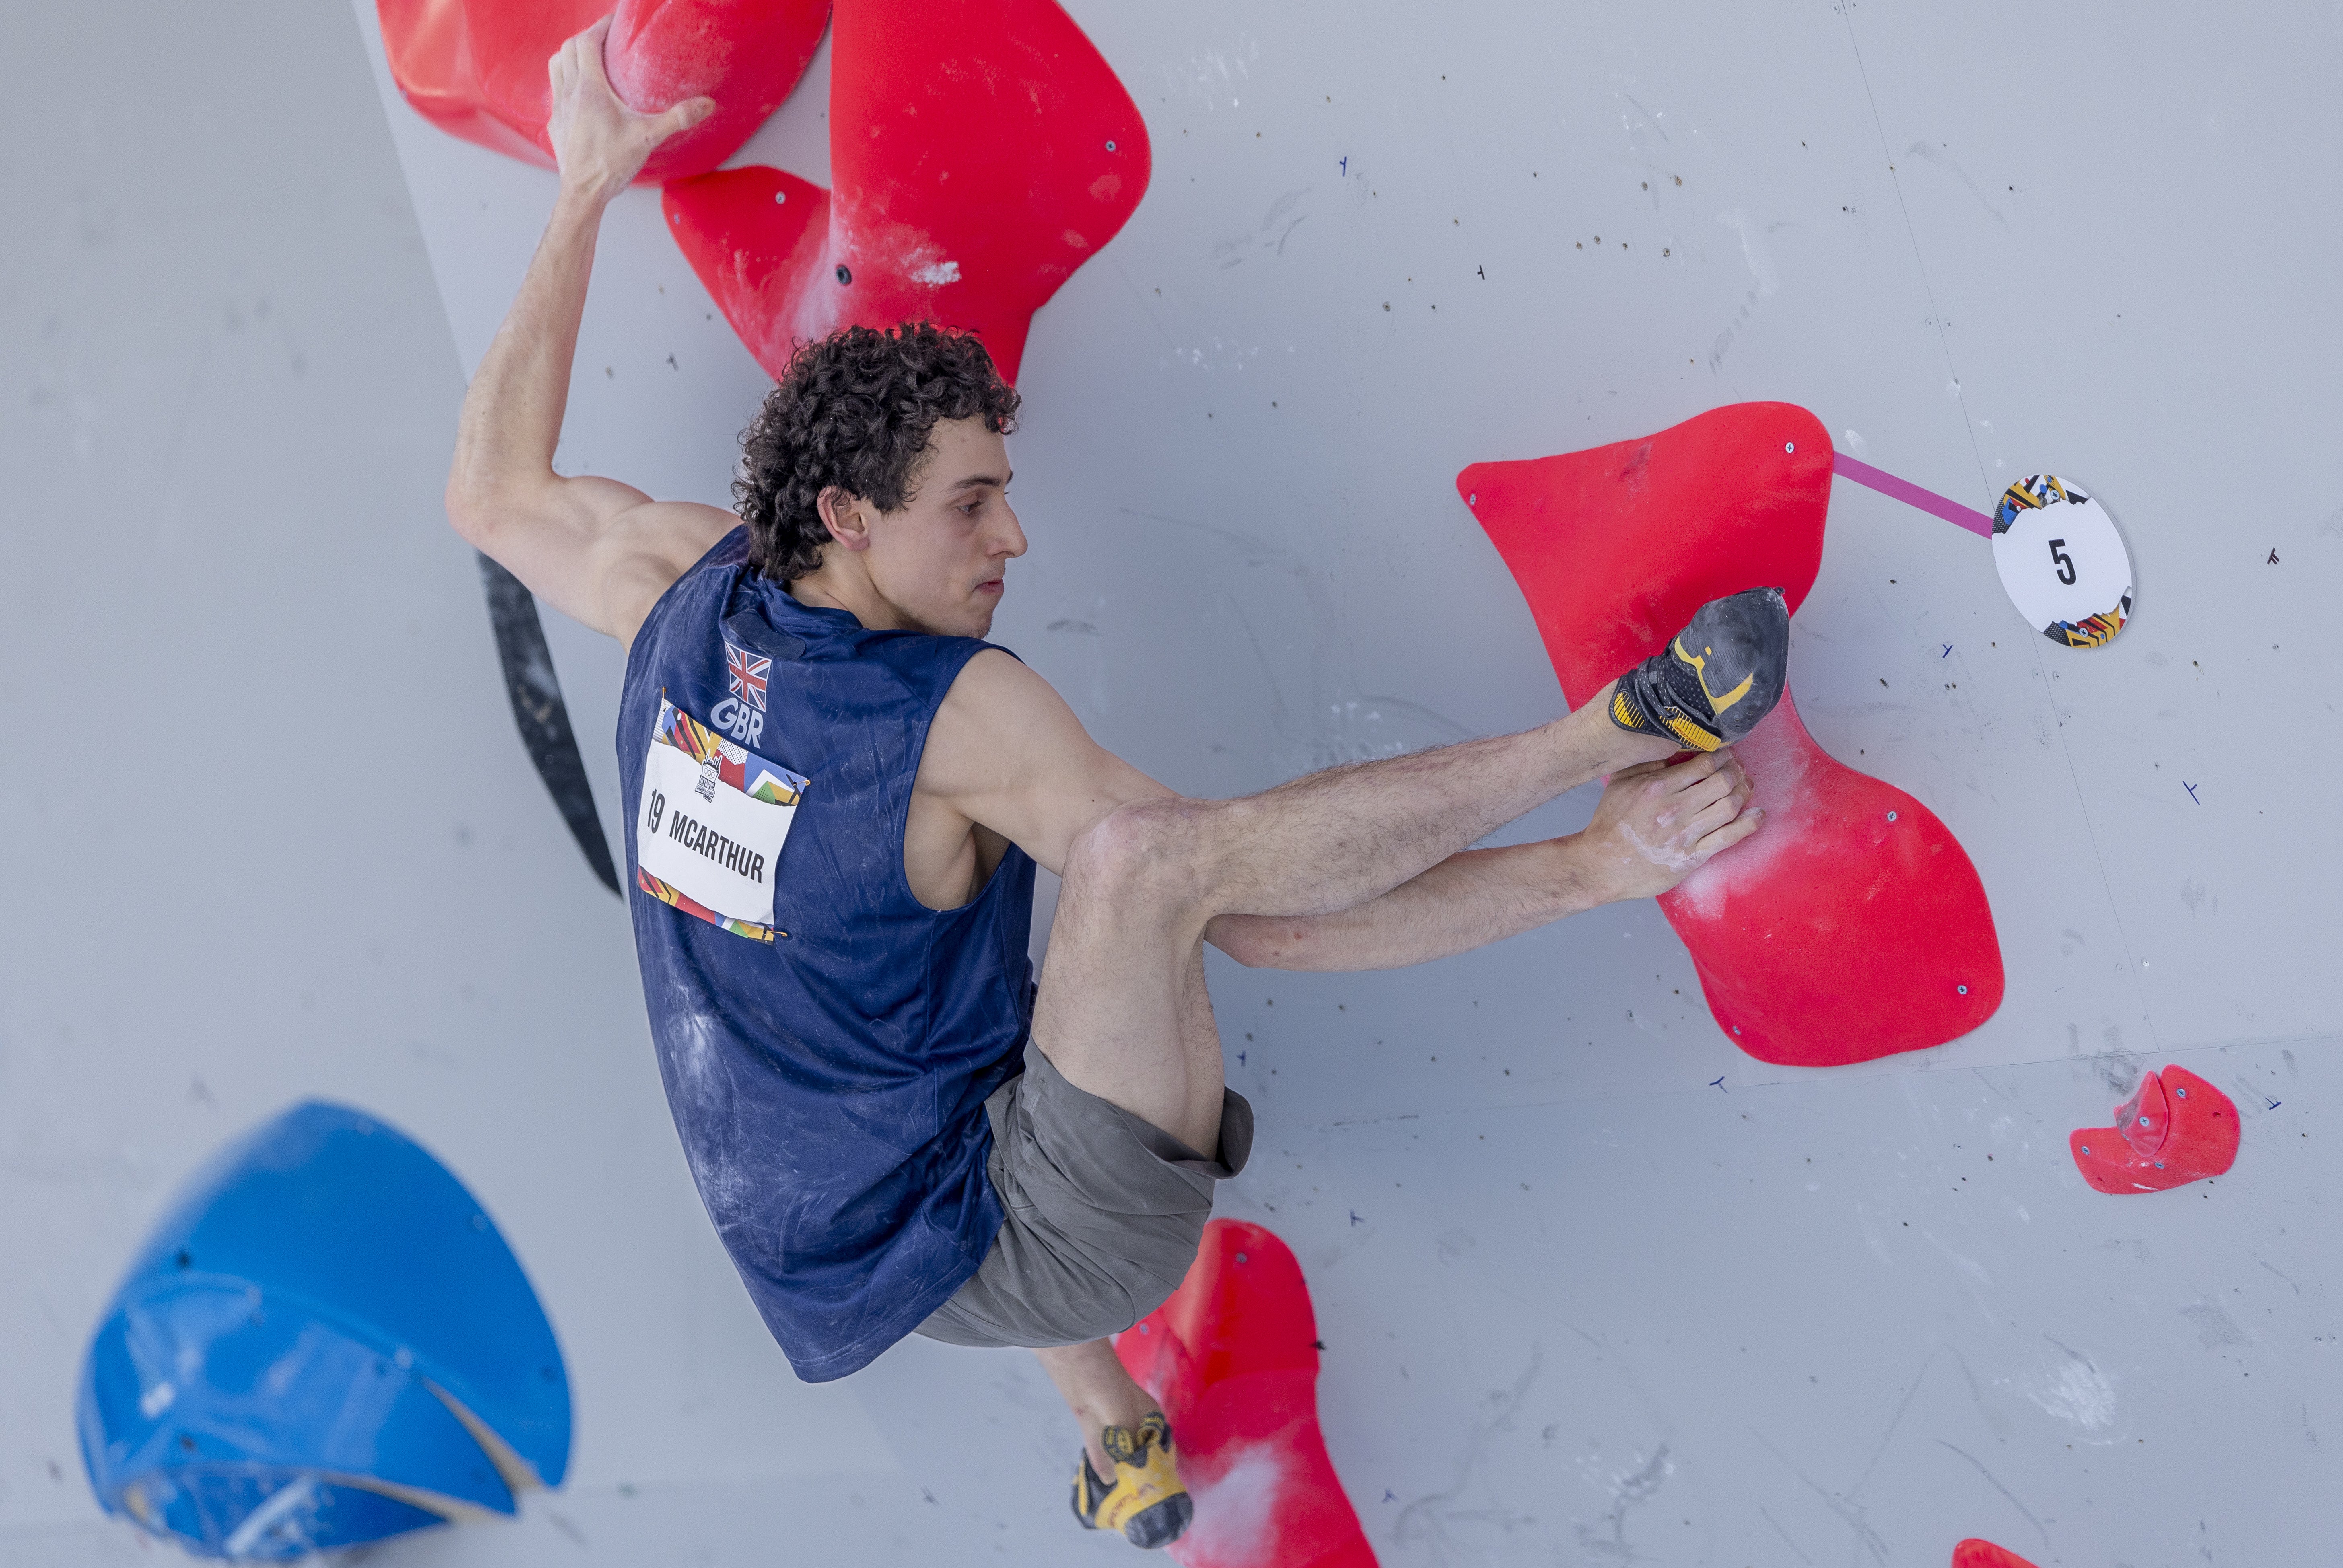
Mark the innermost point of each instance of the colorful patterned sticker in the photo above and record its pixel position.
(2028, 494)
(744, 771)
(668, 894)
(2092, 630)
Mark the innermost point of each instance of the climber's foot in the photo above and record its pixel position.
(1147, 1503)
(1721, 675)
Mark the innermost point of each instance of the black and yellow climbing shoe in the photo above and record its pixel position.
(1147, 1502)
(1723, 672)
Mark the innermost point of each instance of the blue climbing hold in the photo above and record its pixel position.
(325, 1342)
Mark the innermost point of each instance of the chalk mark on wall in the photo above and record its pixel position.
(1340, 723)
(1849, 1512)
(1428, 1519)
(1277, 224)
(1785, 1535)
(1943, 160)
(2004, 1491)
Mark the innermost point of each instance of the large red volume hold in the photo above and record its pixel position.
(1976, 1554)
(2173, 1129)
(1852, 925)
(1232, 1358)
(981, 152)
(476, 68)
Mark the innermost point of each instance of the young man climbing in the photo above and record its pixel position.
(837, 797)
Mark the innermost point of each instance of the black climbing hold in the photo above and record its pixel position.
(540, 714)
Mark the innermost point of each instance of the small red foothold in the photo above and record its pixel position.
(2175, 1129)
(1233, 1359)
(1976, 1554)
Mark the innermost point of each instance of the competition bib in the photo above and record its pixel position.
(713, 820)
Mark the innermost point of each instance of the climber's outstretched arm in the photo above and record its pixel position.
(599, 551)
(1654, 826)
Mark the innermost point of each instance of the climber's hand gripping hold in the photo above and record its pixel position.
(599, 143)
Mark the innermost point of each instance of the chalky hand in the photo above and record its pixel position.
(599, 143)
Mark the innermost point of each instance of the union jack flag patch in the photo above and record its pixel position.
(747, 674)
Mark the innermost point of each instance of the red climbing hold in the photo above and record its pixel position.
(1232, 1358)
(476, 68)
(2175, 1129)
(1976, 1554)
(1852, 925)
(981, 153)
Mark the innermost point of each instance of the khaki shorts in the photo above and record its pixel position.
(1105, 1214)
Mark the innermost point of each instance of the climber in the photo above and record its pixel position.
(894, 1130)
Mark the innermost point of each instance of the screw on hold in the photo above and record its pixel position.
(2182, 1092)
(1962, 989)
(1891, 816)
(2143, 1122)
(1737, 1029)
(1109, 147)
(1789, 446)
(1474, 499)
(1242, 1258)
(780, 196)
(2087, 1149)
(844, 275)
(2159, 1165)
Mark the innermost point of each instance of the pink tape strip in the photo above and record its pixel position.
(1911, 495)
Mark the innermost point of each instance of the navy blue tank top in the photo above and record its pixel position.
(828, 1077)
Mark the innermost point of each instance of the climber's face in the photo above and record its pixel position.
(936, 563)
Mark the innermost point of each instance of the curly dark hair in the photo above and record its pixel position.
(855, 410)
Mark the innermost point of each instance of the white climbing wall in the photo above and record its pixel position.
(1594, 1287)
